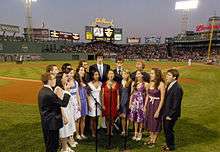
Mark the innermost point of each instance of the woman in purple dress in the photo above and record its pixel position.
(83, 98)
(153, 105)
(136, 105)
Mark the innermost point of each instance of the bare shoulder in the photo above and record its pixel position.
(146, 84)
(162, 85)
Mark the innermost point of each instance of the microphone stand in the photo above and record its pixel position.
(97, 105)
(126, 129)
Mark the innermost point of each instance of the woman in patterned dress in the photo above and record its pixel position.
(136, 105)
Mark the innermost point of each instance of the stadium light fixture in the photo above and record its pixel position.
(187, 5)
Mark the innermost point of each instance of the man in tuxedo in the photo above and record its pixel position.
(172, 108)
(119, 69)
(66, 66)
(50, 111)
(53, 69)
(140, 67)
(100, 66)
(103, 71)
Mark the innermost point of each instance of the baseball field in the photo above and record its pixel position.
(198, 130)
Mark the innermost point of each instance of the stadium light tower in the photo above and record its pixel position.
(29, 24)
(186, 7)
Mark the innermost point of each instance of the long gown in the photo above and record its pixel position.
(153, 124)
(107, 95)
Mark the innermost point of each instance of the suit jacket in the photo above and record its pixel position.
(173, 99)
(106, 68)
(50, 108)
(118, 77)
(146, 76)
(87, 77)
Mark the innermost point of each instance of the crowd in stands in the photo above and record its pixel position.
(195, 55)
(146, 52)
(125, 50)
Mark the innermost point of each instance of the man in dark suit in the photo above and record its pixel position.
(100, 66)
(140, 67)
(50, 111)
(119, 69)
(172, 108)
(53, 69)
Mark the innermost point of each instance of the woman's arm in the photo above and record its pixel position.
(65, 120)
(118, 100)
(162, 94)
(102, 97)
(78, 99)
(132, 85)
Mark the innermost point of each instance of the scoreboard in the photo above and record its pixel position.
(103, 33)
(152, 40)
(64, 35)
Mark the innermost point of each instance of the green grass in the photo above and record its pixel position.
(198, 130)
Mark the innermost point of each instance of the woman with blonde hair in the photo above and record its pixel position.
(124, 93)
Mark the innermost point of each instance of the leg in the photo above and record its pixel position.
(123, 123)
(77, 130)
(169, 133)
(64, 143)
(92, 120)
(53, 141)
(82, 125)
(135, 130)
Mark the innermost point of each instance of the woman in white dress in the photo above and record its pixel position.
(75, 100)
(67, 130)
(95, 92)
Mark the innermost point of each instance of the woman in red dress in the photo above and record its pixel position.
(110, 91)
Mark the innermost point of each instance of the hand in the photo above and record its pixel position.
(156, 115)
(145, 109)
(65, 120)
(90, 108)
(67, 86)
(103, 107)
(118, 107)
(129, 106)
(168, 118)
(79, 108)
(59, 92)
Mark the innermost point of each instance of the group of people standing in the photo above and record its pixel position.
(143, 100)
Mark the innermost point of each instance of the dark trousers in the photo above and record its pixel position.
(51, 140)
(168, 126)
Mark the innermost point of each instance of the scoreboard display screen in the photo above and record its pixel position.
(152, 40)
(64, 35)
(98, 32)
(103, 33)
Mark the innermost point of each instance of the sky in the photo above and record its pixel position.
(138, 18)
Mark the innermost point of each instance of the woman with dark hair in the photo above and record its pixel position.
(80, 75)
(95, 92)
(75, 100)
(110, 91)
(153, 105)
(136, 105)
(68, 129)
